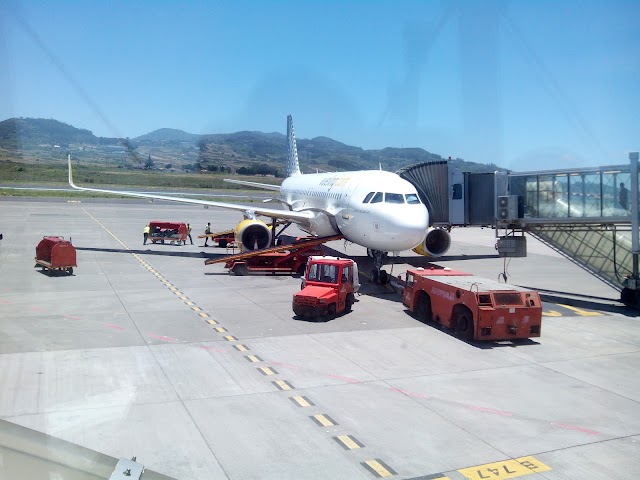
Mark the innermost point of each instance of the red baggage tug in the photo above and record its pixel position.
(55, 254)
(475, 308)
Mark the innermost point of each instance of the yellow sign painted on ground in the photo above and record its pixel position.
(505, 469)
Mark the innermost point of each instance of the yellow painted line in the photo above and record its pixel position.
(302, 401)
(183, 298)
(196, 309)
(379, 468)
(189, 303)
(348, 442)
(505, 469)
(323, 420)
(253, 358)
(179, 293)
(212, 322)
(173, 289)
(240, 348)
(283, 385)
(230, 338)
(220, 329)
(551, 313)
(582, 313)
(267, 371)
(204, 315)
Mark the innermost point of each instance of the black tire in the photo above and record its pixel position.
(70, 271)
(628, 297)
(463, 323)
(348, 304)
(374, 276)
(384, 277)
(240, 269)
(331, 311)
(222, 244)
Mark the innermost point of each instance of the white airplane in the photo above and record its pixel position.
(375, 209)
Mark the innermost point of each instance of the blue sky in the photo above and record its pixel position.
(524, 84)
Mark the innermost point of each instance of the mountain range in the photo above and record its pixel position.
(48, 140)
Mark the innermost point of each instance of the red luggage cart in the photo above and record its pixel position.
(168, 232)
(55, 254)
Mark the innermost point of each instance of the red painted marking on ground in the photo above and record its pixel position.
(6, 302)
(72, 317)
(347, 379)
(580, 429)
(411, 394)
(284, 365)
(491, 410)
(163, 337)
(212, 349)
(115, 327)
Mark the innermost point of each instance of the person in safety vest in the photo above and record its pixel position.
(145, 234)
(207, 231)
(189, 233)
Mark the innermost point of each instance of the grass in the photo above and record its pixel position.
(13, 173)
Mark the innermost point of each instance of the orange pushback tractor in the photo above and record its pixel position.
(475, 308)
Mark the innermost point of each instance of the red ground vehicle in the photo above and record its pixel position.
(285, 259)
(168, 232)
(329, 288)
(56, 254)
(475, 308)
(223, 239)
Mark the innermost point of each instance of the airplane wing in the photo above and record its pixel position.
(265, 186)
(247, 210)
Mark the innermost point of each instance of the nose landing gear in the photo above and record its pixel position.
(378, 275)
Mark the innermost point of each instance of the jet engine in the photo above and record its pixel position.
(436, 244)
(253, 235)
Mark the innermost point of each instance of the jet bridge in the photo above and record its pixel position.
(589, 215)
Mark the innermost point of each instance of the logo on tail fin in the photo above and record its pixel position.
(293, 167)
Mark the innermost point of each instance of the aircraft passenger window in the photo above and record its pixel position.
(394, 198)
(368, 197)
(377, 198)
(412, 198)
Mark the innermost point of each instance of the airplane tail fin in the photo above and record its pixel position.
(293, 167)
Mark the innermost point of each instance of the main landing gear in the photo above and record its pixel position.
(378, 275)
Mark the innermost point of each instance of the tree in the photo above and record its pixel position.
(149, 163)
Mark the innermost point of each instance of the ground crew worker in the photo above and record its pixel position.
(207, 231)
(146, 234)
(189, 233)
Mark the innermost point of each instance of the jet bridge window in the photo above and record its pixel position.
(378, 197)
(393, 198)
(368, 197)
(412, 198)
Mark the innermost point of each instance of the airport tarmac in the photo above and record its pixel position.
(144, 351)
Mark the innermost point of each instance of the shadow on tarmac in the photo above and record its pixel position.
(155, 252)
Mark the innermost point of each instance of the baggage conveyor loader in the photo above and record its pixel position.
(285, 259)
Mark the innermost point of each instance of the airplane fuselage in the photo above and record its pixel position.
(375, 209)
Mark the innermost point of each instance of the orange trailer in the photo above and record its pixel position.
(475, 308)
(55, 254)
(168, 232)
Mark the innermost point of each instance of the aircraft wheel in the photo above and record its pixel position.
(384, 277)
(374, 276)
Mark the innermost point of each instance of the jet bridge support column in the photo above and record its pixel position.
(631, 292)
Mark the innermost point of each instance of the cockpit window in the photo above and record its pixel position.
(394, 198)
(377, 197)
(412, 198)
(368, 197)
